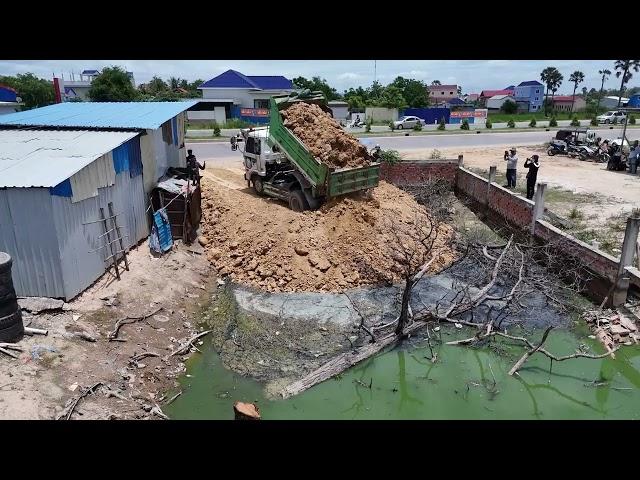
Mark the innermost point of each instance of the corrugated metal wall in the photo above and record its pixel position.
(81, 265)
(28, 234)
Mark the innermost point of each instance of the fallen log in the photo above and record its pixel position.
(346, 360)
(246, 411)
(530, 352)
(187, 346)
(66, 413)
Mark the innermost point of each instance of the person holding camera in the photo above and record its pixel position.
(533, 164)
(512, 161)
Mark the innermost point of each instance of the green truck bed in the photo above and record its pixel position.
(326, 181)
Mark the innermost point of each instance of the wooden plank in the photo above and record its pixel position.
(106, 229)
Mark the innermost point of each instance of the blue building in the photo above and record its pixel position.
(529, 96)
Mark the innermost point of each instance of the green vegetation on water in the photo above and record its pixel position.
(465, 383)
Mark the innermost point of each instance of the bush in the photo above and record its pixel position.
(392, 126)
(418, 127)
(575, 122)
(509, 106)
(442, 125)
(435, 154)
(367, 128)
(533, 123)
(511, 123)
(594, 122)
(236, 123)
(390, 156)
(488, 124)
(465, 124)
(632, 120)
(216, 129)
(553, 122)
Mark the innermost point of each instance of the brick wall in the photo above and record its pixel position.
(416, 172)
(514, 209)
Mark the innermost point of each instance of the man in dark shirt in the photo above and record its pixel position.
(533, 164)
(193, 166)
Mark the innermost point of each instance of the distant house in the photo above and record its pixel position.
(10, 102)
(77, 86)
(442, 93)
(234, 95)
(340, 109)
(496, 102)
(487, 94)
(471, 97)
(563, 103)
(529, 96)
(612, 102)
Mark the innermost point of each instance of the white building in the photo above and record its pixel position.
(496, 102)
(234, 95)
(612, 102)
(77, 87)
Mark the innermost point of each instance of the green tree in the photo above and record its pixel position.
(112, 85)
(464, 125)
(509, 107)
(436, 82)
(533, 122)
(576, 78)
(553, 122)
(317, 83)
(442, 125)
(35, 92)
(392, 98)
(623, 70)
(511, 123)
(415, 92)
(374, 93)
(575, 122)
(549, 77)
(356, 98)
(488, 124)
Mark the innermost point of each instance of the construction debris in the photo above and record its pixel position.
(612, 328)
(36, 305)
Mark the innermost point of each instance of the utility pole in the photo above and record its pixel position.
(375, 70)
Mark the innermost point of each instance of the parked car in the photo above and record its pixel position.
(408, 122)
(613, 116)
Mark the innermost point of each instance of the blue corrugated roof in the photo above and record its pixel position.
(99, 115)
(456, 101)
(90, 72)
(234, 79)
(529, 83)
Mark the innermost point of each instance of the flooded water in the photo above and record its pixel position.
(465, 383)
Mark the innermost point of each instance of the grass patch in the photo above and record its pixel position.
(538, 116)
(576, 214)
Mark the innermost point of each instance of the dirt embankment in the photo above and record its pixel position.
(349, 242)
(324, 137)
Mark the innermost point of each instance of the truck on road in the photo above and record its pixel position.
(279, 165)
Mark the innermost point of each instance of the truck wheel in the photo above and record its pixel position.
(258, 186)
(297, 202)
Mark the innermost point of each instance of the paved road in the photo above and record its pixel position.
(221, 152)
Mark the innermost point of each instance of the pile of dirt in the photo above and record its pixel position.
(324, 137)
(347, 243)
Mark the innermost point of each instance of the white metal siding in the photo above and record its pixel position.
(98, 174)
(28, 234)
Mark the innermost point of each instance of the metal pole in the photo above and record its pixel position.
(626, 260)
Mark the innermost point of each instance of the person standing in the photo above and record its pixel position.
(512, 162)
(532, 164)
(193, 166)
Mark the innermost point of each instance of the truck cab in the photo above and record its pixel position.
(257, 153)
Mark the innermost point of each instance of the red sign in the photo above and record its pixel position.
(254, 112)
(481, 113)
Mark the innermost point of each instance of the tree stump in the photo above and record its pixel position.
(246, 411)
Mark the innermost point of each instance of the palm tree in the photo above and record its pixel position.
(174, 83)
(576, 77)
(547, 76)
(436, 82)
(605, 75)
(556, 81)
(624, 68)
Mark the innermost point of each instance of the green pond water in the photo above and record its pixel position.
(460, 385)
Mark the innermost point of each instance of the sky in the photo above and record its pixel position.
(472, 75)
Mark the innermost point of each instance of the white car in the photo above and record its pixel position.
(612, 117)
(408, 122)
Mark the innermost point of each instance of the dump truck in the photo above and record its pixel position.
(279, 165)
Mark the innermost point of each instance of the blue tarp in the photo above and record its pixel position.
(127, 157)
(163, 230)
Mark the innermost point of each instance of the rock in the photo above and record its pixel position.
(204, 241)
(40, 304)
(319, 262)
(458, 325)
(628, 324)
(233, 245)
(301, 250)
(215, 253)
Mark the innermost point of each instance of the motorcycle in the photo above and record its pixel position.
(568, 148)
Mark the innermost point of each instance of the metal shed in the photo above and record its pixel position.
(161, 124)
(52, 185)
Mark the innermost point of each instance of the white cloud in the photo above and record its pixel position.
(350, 76)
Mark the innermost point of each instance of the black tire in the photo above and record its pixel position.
(8, 307)
(13, 333)
(400, 127)
(297, 202)
(607, 121)
(11, 327)
(258, 185)
(551, 152)
(6, 282)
